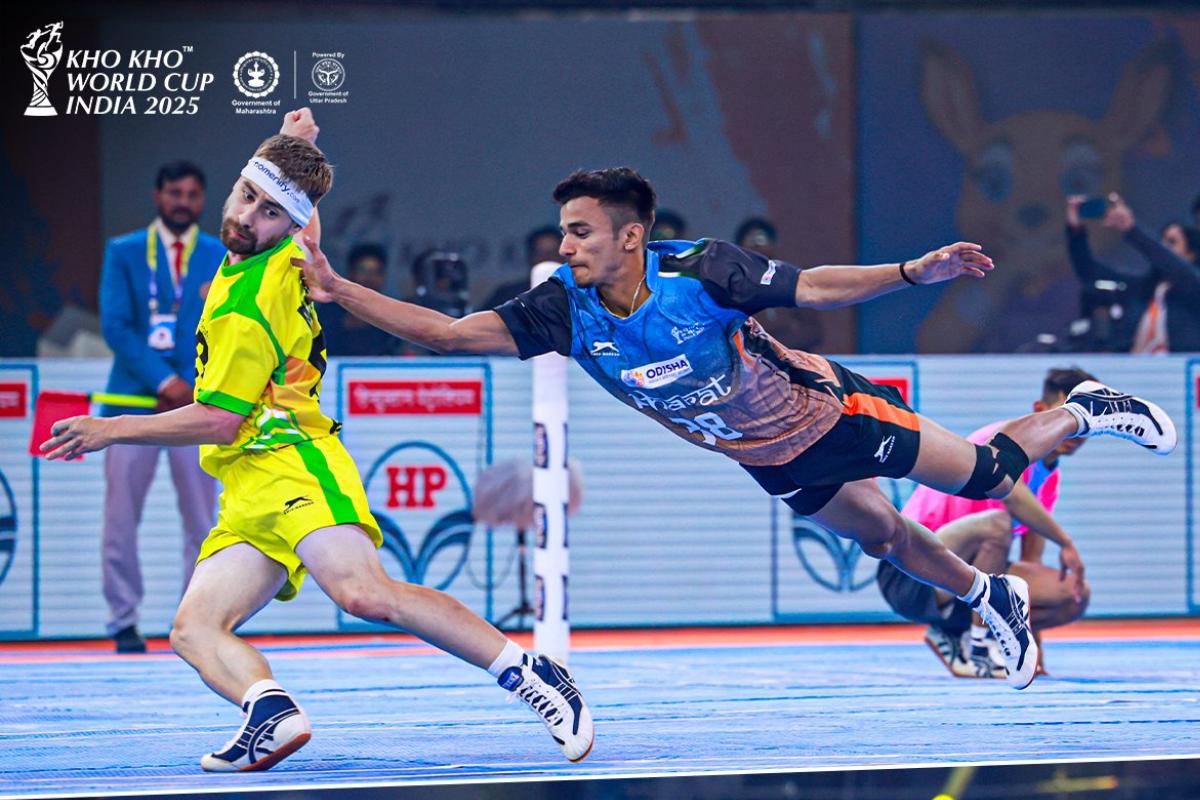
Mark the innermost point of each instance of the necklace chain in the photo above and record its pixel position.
(632, 303)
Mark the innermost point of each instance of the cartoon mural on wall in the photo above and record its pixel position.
(1018, 170)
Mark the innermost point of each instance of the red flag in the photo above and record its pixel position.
(49, 409)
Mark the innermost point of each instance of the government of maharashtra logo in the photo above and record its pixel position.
(328, 74)
(422, 502)
(256, 74)
(42, 52)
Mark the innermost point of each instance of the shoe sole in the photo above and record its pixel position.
(586, 753)
(279, 755)
(1161, 417)
(940, 658)
(1031, 654)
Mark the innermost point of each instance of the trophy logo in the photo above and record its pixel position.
(42, 51)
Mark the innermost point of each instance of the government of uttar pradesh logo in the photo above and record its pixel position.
(42, 51)
(328, 74)
(256, 74)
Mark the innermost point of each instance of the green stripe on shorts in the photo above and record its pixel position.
(314, 461)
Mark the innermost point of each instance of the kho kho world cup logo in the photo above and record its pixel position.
(42, 51)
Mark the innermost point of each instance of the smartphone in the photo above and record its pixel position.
(1093, 208)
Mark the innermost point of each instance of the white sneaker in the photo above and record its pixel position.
(1103, 411)
(979, 659)
(275, 727)
(547, 687)
(943, 645)
(1004, 606)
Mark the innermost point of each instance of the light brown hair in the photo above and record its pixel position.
(301, 162)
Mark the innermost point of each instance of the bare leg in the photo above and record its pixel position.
(226, 589)
(861, 512)
(343, 561)
(1050, 598)
(982, 540)
(945, 461)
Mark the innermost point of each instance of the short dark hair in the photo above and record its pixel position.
(618, 189)
(755, 224)
(176, 170)
(1061, 380)
(367, 250)
(1191, 237)
(670, 219)
(537, 233)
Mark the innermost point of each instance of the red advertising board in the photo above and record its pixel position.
(376, 398)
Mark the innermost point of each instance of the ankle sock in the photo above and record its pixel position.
(510, 656)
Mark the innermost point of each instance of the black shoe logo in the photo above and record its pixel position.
(296, 502)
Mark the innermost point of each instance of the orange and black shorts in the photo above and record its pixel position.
(877, 436)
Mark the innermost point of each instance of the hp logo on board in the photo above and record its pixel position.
(422, 502)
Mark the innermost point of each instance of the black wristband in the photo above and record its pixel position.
(904, 275)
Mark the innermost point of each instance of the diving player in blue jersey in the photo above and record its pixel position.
(665, 328)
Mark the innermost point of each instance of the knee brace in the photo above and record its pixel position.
(1009, 461)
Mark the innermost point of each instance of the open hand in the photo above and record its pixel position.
(74, 436)
(319, 277)
(949, 262)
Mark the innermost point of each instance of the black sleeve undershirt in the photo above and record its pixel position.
(539, 320)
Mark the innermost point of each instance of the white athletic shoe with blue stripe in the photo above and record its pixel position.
(275, 727)
(547, 687)
(1004, 607)
(1103, 411)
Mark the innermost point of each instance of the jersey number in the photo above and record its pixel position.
(710, 426)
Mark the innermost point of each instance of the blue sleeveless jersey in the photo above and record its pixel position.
(690, 357)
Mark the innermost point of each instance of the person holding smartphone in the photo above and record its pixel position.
(1160, 304)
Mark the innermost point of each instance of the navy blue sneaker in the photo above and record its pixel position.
(1004, 606)
(547, 687)
(1103, 411)
(275, 727)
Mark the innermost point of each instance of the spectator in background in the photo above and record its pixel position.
(1162, 304)
(346, 334)
(439, 282)
(667, 226)
(798, 328)
(541, 244)
(152, 289)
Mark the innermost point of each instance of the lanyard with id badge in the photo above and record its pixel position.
(162, 325)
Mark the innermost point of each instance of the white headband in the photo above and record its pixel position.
(271, 180)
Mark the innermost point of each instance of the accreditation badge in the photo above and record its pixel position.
(162, 331)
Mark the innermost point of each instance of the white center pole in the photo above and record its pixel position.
(551, 487)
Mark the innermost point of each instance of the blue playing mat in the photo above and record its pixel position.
(104, 724)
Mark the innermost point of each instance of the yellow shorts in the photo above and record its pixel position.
(274, 498)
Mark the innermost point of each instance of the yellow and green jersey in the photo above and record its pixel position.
(260, 353)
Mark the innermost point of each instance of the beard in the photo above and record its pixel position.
(177, 220)
(246, 245)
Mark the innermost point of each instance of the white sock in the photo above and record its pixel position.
(1081, 424)
(976, 588)
(979, 633)
(258, 688)
(510, 656)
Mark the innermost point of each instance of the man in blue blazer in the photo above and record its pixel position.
(152, 291)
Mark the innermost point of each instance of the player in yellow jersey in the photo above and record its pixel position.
(293, 501)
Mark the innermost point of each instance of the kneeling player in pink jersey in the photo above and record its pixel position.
(981, 533)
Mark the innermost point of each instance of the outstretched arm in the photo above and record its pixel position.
(195, 423)
(835, 286)
(481, 333)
